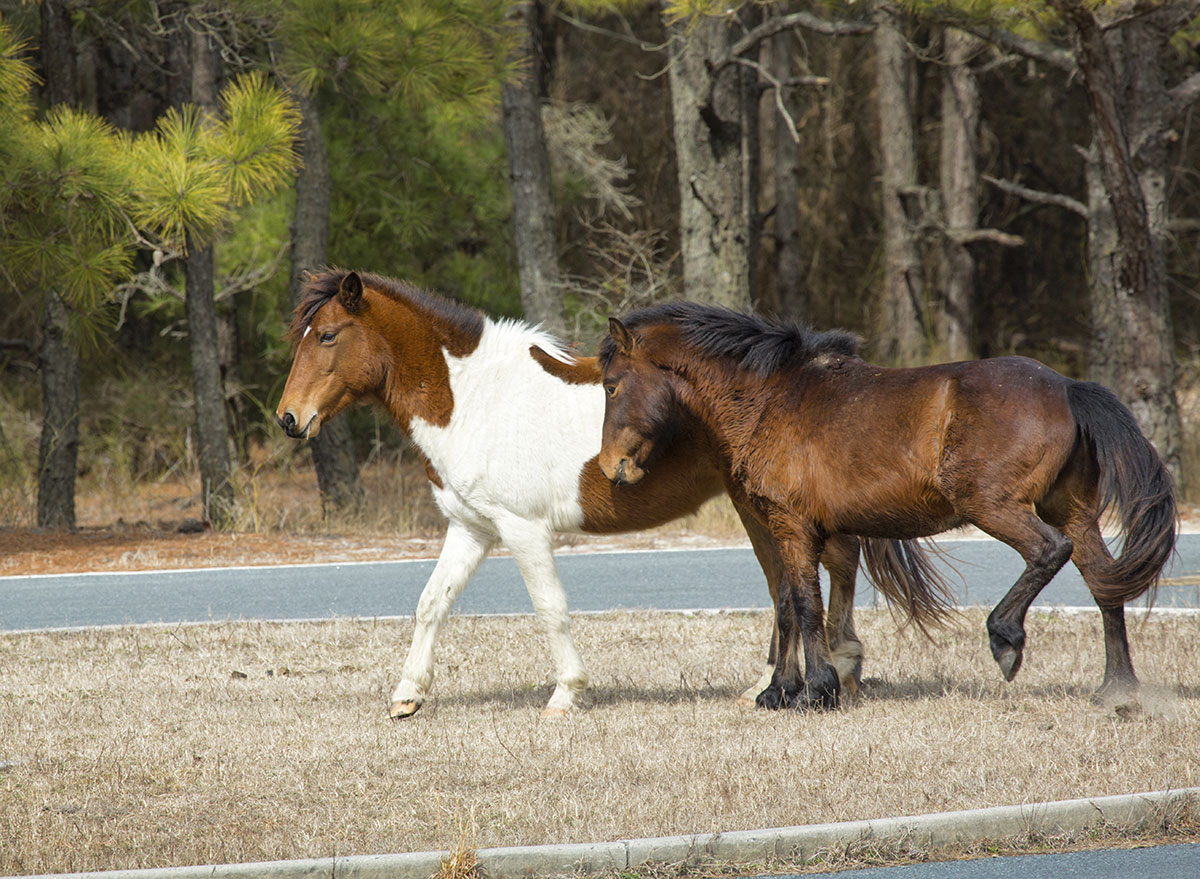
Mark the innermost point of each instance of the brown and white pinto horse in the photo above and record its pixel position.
(815, 441)
(509, 426)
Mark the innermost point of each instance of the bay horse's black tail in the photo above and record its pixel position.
(1133, 477)
(902, 571)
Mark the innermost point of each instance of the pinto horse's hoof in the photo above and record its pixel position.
(555, 713)
(402, 709)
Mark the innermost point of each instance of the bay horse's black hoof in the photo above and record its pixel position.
(1007, 641)
(772, 698)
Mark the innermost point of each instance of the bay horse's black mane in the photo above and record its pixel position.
(323, 286)
(753, 342)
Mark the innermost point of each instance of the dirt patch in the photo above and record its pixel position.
(27, 551)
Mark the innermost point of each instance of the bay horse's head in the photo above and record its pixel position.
(640, 410)
(333, 363)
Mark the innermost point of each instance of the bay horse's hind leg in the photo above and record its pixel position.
(1090, 554)
(1072, 506)
(1045, 550)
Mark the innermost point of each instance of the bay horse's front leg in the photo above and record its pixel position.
(772, 566)
(462, 551)
(531, 545)
(799, 616)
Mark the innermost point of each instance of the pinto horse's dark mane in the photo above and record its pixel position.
(753, 342)
(323, 286)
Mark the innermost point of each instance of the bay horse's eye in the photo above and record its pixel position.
(326, 338)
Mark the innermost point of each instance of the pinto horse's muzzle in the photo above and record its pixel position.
(293, 428)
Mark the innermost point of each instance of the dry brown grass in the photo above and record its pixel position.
(258, 741)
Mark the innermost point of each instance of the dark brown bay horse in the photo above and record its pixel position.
(813, 441)
(508, 423)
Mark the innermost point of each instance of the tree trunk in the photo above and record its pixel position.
(716, 149)
(332, 449)
(195, 81)
(792, 295)
(58, 448)
(960, 192)
(212, 432)
(1133, 340)
(529, 174)
(902, 329)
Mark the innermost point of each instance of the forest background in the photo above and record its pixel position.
(949, 180)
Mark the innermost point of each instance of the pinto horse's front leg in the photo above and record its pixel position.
(799, 617)
(462, 551)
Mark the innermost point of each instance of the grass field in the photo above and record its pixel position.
(234, 741)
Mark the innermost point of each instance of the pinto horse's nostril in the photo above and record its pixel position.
(287, 421)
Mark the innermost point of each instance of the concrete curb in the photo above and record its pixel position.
(736, 847)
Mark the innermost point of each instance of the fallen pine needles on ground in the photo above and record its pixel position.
(249, 741)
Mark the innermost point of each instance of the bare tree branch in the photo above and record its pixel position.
(772, 26)
(1007, 40)
(1182, 96)
(995, 236)
(1034, 195)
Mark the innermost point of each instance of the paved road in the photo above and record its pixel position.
(1160, 862)
(982, 570)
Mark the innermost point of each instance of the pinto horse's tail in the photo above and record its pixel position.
(1134, 478)
(902, 571)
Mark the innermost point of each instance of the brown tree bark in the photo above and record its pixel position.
(791, 291)
(195, 81)
(58, 448)
(1122, 65)
(959, 174)
(902, 328)
(715, 122)
(529, 174)
(338, 476)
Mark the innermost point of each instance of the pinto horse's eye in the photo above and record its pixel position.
(610, 389)
(326, 338)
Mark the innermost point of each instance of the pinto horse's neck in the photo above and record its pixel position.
(411, 339)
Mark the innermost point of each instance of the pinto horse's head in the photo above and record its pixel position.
(331, 366)
(639, 407)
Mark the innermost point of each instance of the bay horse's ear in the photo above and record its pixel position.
(621, 335)
(350, 292)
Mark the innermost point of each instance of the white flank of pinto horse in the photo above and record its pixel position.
(506, 478)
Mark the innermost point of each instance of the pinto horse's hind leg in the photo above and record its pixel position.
(840, 559)
(1045, 550)
(531, 545)
(462, 551)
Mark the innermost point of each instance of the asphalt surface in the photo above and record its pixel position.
(1160, 862)
(981, 571)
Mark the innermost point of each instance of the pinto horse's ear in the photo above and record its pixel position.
(350, 292)
(621, 335)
